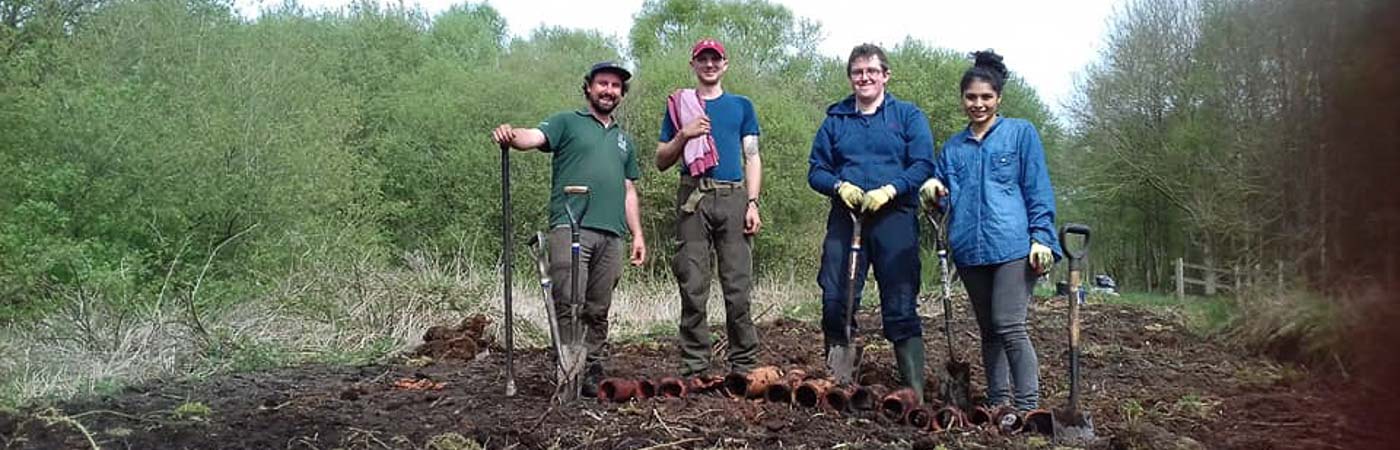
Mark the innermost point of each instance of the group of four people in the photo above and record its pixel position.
(873, 156)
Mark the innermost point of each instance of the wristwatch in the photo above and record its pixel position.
(754, 202)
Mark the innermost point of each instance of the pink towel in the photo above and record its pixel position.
(684, 107)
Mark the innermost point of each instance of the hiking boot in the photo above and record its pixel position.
(909, 358)
(591, 377)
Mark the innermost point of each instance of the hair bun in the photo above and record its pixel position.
(989, 60)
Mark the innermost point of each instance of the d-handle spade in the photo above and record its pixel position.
(843, 359)
(575, 353)
(955, 380)
(1070, 423)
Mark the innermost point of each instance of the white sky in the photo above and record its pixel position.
(1047, 42)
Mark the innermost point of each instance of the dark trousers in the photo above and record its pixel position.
(890, 241)
(1000, 294)
(600, 267)
(710, 229)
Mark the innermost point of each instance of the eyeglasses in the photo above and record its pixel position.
(866, 72)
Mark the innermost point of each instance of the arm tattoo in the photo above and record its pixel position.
(750, 145)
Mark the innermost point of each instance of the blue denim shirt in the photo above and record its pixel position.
(1000, 192)
(893, 146)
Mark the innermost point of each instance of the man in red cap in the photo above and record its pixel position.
(717, 206)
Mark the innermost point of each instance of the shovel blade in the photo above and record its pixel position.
(1073, 426)
(955, 384)
(572, 360)
(843, 361)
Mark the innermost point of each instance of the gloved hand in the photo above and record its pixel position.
(851, 194)
(1041, 257)
(931, 191)
(876, 199)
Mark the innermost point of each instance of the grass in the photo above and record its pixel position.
(324, 315)
(1202, 315)
(1293, 325)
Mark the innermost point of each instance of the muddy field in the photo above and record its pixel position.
(1148, 383)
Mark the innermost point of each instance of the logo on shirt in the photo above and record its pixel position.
(622, 145)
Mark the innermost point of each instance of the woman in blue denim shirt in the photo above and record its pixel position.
(1001, 221)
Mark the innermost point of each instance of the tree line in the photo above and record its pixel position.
(172, 149)
(1238, 132)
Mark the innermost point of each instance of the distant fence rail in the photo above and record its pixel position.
(1212, 280)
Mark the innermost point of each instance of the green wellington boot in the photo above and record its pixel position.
(909, 356)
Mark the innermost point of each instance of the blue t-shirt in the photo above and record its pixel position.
(731, 118)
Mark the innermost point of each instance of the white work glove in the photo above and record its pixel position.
(931, 191)
(1041, 258)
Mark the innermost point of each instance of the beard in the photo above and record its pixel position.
(597, 100)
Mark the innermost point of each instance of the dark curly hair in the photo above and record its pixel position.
(986, 66)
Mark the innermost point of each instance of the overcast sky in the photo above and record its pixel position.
(1047, 42)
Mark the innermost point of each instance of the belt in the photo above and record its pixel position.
(703, 186)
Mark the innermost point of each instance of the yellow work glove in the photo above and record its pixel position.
(850, 194)
(1041, 257)
(931, 191)
(876, 199)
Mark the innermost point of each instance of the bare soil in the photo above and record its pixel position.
(1148, 383)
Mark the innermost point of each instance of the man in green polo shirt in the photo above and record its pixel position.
(589, 149)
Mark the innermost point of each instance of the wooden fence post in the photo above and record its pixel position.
(1209, 275)
(1180, 279)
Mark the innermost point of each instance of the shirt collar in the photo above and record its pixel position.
(586, 113)
(971, 137)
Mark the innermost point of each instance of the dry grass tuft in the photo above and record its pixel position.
(319, 314)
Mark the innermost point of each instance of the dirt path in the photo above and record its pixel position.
(1149, 384)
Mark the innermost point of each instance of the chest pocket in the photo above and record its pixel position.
(1004, 164)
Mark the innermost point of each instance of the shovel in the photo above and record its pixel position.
(955, 380)
(507, 260)
(1070, 424)
(843, 360)
(573, 354)
(537, 250)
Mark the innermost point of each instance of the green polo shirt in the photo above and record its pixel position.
(589, 154)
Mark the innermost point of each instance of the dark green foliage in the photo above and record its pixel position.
(159, 151)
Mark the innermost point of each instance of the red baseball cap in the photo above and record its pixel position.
(707, 44)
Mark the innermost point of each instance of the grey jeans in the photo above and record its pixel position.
(1000, 294)
(600, 267)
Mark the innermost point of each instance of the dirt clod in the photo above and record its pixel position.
(462, 342)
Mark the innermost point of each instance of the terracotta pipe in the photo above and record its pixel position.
(921, 417)
(839, 398)
(981, 416)
(781, 392)
(752, 384)
(866, 398)
(949, 418)
(670, 387)
(897, 405)
(1038, 421)
(704, 383)
(645, 389)
(617, 390)
(812, 392)
(1006, 420)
